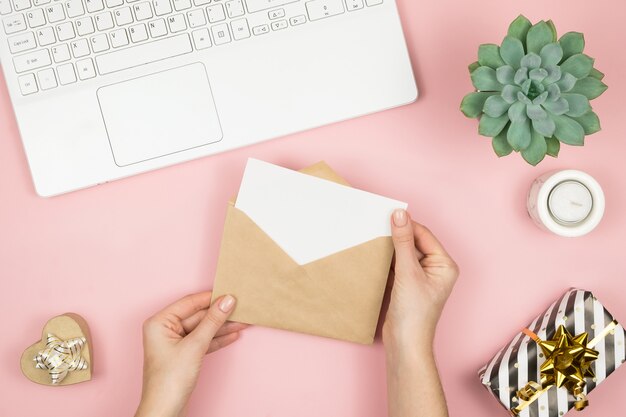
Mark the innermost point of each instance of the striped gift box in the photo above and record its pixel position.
(518, 362)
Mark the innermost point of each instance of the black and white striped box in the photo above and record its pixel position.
(518, 362)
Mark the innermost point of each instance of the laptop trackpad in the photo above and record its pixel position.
(159, 114)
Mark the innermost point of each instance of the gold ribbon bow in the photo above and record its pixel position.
(568, 363)
(59, 357)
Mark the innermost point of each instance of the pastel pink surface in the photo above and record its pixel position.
(119, 252)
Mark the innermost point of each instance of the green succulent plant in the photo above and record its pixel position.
(533, 91)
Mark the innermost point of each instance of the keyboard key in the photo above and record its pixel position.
(119, 38)
(32, 61)
(138, 33)
(61, 53)
(74, 8)
(240, 28)
(297, 20)
(20, 5)
(104, 21)
(279, 25)
(352, 5)
(55, 13)
(321, 9)
(41, 2)
(373, 2)
(260, 30)
(65, 31)
(5, 7)
(201, 38)
(94, 6)
(84, 26)
(85, 69)
(276, 14)
(22, 42)
(100, 43)
(196, 18)
(176, 23)
(45, 36)
(80, 48)
(221, 34)
(143, 11)
(144, 54)
(36, 18)
(201, 2)
(66, 74)
(157, 28)
(13, 24)
(215, 13)
(258, 5)
(123, 16)
(162, 7)
(47, 79)
(114, 3)
(234, 8)
(181, 5)
(27, 83)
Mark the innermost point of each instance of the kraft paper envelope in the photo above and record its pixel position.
(338, 296)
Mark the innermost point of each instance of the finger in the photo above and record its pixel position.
(426, 242)
(211, 323)
(231, 327)
(190, 323)
(222, 341)
(403, 240)
(189, 305)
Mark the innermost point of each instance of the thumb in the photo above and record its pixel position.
(215, 318)
(403, 240)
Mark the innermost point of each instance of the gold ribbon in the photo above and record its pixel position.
(568, 363)
(60, 357)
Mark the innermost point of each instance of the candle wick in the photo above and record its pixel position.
(574, 203)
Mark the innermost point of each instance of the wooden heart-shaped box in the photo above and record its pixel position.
(65, 327)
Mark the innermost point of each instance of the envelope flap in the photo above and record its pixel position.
(338, 296)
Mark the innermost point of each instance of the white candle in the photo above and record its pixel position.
(568, 203)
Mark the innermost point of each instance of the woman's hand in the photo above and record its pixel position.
(175, 341)
(423, 277)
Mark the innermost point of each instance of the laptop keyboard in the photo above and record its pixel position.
(56, 43)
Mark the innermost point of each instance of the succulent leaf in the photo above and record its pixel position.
(573, 43)
(567, 82)
(558, 107)
(517, 112)
(473, 103)
(553, 29)
(495, 106)
(536, 151)
(578, 65)
(489, 56)
(500, 145)
(590, 122)
(590, 87)
(554, 75)
(578, 104)
(545, 126)
(596, 74)
(519, 135)
(551, 54)
(531, 61)
(569, 131)
(538, 74)
(484, 79)
(509, 93)
(489, 126)
(554, 146)
(505, 75)
(536, 112)
(554, 92)
(538, 36)
(519, 28)
(512, 51)
(473, 66)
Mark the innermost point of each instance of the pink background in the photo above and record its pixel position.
(119, 252)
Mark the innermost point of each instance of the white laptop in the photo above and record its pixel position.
(104, 89)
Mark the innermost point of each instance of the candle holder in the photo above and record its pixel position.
(568, 203)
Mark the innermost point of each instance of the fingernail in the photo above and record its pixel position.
(399, 217)
(227, 303)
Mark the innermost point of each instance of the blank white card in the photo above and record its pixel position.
(309, 217)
